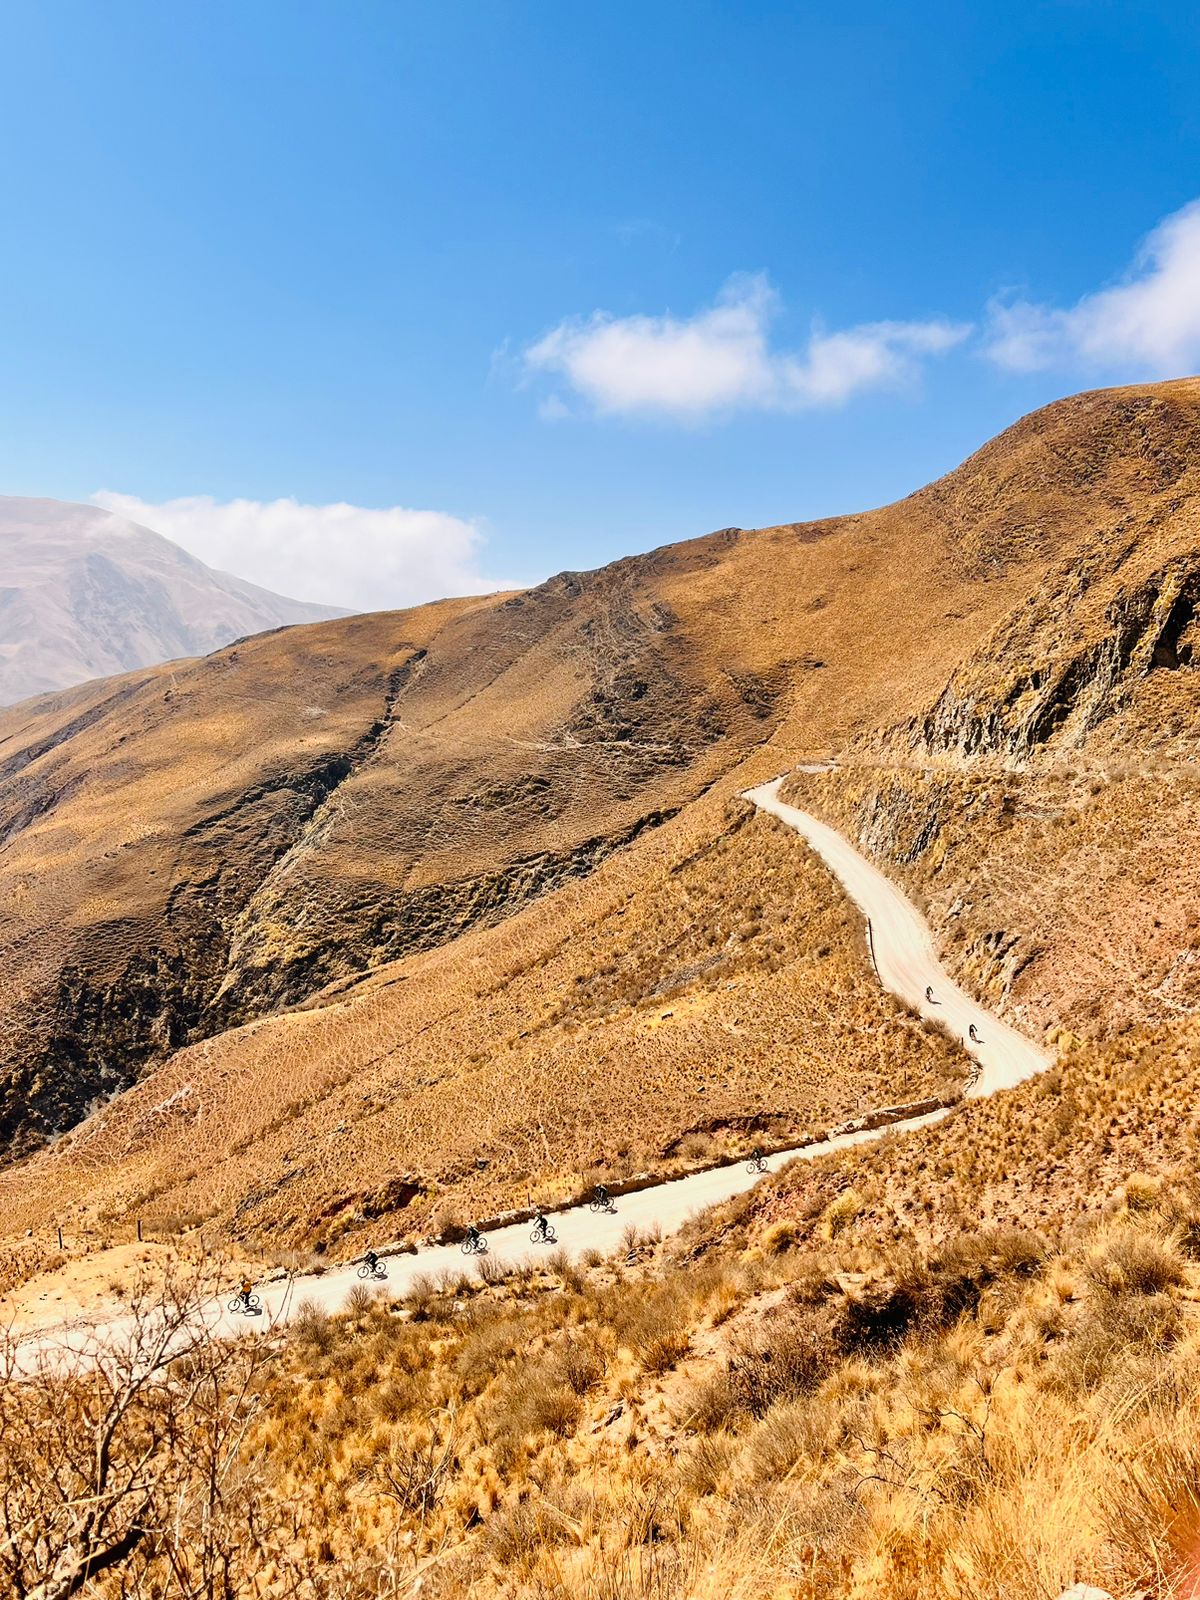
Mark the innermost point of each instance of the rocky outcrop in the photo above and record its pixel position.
(1040, 680)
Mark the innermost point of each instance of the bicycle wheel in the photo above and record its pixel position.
(366, 1271)
(235, 1305)
(255, 1304)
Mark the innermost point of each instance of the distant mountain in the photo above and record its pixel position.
(85, 593)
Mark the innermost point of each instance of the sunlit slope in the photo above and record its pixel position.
(1045, 801)
(188, 851)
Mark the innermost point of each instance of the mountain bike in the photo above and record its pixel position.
(474, 1247)
(366, 1270)
(251, 1306)
(543, 1235)
(607, 1204)
(756, 1164)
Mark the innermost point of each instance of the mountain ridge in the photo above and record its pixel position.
(394, 895)
(86, 593)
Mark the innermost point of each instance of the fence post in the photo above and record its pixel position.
(871, 948)
(60, 1243)
(139, 1230)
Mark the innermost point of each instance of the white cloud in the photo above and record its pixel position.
(342, 555)
(721, 359)
(1149, 323)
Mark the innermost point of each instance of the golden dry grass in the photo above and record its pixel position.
(708, 988)
(1009, 1413)
(342, 822)
(1006, 1412)
(1060, 1146)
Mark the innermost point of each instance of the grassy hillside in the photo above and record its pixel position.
(438, 911)
(1009, 1412)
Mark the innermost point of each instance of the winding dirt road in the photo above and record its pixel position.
(904, 957)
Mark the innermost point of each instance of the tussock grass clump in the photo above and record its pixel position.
(580, 1362)
(1116, 1329)
(1131, 1261)
(787, 1356)
(359, 1300)
(312, 1328)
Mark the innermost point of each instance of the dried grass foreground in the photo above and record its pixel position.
(1005, 1413)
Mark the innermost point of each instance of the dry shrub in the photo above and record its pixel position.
(489, 1270)
(421, 1295)
(1133, 1262)
(653, 1321)
(517, 1535)
(531, 1400)
(879, 1314)
(664, 1351)
(787, 1357)
(359, 1301)
(414, 1471)
(446, 1222)
(1116, 1328)
(580, 1363)
(792, 1432)
(311, 1325)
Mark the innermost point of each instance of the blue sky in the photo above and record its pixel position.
(569, 281)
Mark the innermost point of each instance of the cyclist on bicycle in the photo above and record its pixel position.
(245, 1291)
(757, 1155)
(474, 1237)
(974, 1032)
(603, 1198)
(540, 1225)
(929, 1000)
(372, 1260)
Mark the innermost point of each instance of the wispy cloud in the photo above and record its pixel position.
(1147, 325)
(353, 556)
(722, 358)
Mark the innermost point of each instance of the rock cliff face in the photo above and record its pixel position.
(85, 593)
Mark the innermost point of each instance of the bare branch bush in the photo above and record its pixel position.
(125, 1466)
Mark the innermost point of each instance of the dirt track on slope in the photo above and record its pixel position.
(902, 950)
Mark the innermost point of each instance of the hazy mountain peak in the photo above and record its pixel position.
(85, 593)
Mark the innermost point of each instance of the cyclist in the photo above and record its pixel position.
(540, 1225)
(245, 1291)
(474, 1237)
(974, 1033)
(603, 1198)
(372, 1260)
(929, 1000)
